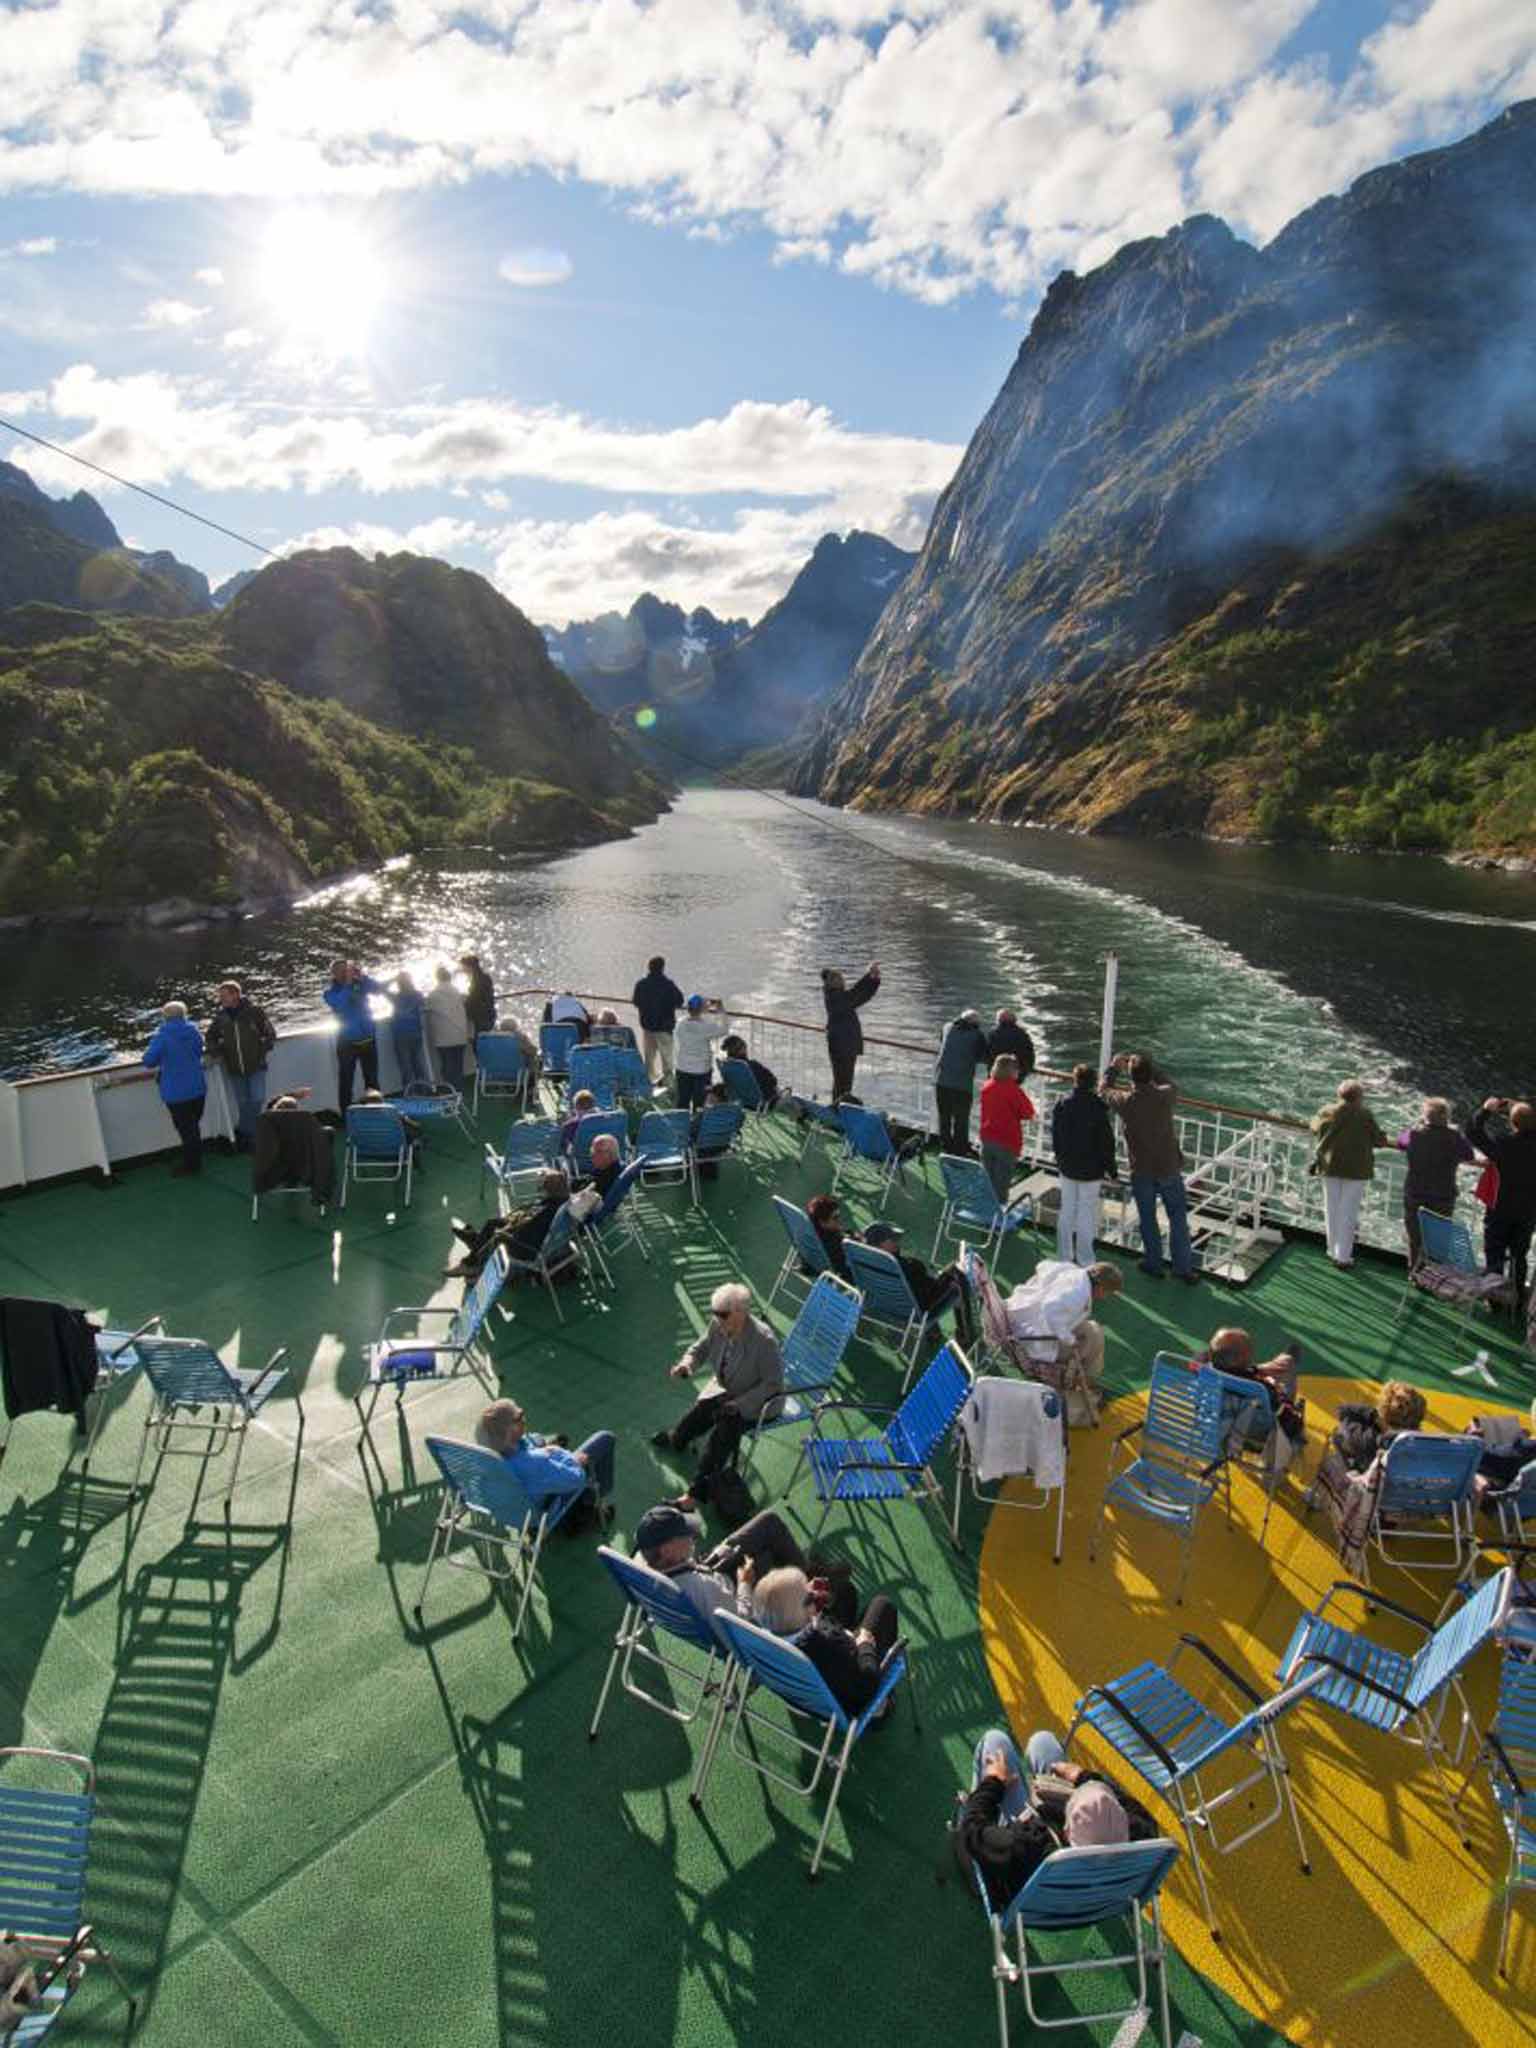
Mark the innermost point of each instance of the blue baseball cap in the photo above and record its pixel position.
(695, 1002)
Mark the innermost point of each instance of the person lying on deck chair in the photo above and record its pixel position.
(607, 1165)
(1058, 1300)
(932, 1291)
(1231, 1351)
(1021, 1809)
(666, 1539)
(849, 1659)
(547, 1466)
(746, 1370)
(522, 1233)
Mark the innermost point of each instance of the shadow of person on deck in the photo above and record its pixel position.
(44, 1546)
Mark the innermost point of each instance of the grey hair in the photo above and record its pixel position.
(606, 1145)
(731, 1295)
(1351, 1091)
(781, 1600)
(173, 1009)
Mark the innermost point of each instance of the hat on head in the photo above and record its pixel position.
(883, 1232)
(665, 1524)
(695, 1002)
(1095, 1817)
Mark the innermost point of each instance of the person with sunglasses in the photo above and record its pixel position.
(746, 1371)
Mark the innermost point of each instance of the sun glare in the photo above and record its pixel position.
(323, 281)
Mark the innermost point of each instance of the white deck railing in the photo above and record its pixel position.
(1248, 1170)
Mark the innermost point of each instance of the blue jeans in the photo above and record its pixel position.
(599, 1448)
(250, 1093)
(1040, 1753)
(1147, 1191)
(411, 1059)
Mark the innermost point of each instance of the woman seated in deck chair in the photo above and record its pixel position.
(1020, 1810)
(521, 1234)
(826, 1219)
(849, 1659)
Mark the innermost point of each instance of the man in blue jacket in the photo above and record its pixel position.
(545, 1466)
(961, 1051)
(356, 1046)
(658, 999)
(175, 1055)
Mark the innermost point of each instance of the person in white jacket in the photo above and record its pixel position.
(448, 1024)
(1058, 1301)
(693, 1049)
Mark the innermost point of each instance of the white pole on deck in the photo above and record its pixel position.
(1107, 1028)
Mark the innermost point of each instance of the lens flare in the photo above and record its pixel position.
(645, 718)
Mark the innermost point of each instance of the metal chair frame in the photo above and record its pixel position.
(616, 1226)
(860, 1148)
(760, 1660)
(1445, 1488)
(186, 1373)
(715, 1119)
(805, 1249)
(669, 1164)
(462, 1343)
(897, 1464)
(486, 1506)
(889, 1302)
(117, 1357)
(971, 1204)
(1176, 1473)
(1508, 1753)
(966, 1468)
(1045, 1356)
(655, 1610)
(503, 1069)
(530, 1150)
(378, 1166)
(1174, 1740)
(812, 1352)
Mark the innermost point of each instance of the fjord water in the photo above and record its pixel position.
(1261, 976)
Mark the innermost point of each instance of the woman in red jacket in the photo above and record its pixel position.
(1005, 1110)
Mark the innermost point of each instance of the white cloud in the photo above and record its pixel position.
(929, 145)
(240, 338)
(534, 267)
(173, 313)
(212, 277)
(161, 430)
(23, 401)
(34, 245)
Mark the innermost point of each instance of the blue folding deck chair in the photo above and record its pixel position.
(530, 1150)
(1398, 1692)
(117, 1357)
(45, 1854)
(602, 1123)
(1513, 1504)
(1508, 1752)
(1076, 1891)
(621, 1035)
(1450, 1270)
(714, 1136)
(378, 1147)
(867, 1142)
(760, 1661)
(806, 1259)
(657, 1619)
(405, 1356)
(1185, 1439)
(971, 1213)
(740, 1083)
(490, 1512)
(1252, 1433)
(1176, 1741)
(562, 1242)
(889, 1302)
(664, 1147)
(898, 1463)
(192, 1391)
(503, 1069)
(616, 1225)
(596, 1069)
(630, 1076)
(812, 1351)
(556, 1042)
(820, 1120)
(1423, 1513)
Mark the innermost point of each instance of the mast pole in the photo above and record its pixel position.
(1107, 1028)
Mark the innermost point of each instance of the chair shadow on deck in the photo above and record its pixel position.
(179, 1638)
(43, 1545)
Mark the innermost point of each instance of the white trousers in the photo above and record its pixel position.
(1077, 1225)
(656, 1049)
(1341, 1214)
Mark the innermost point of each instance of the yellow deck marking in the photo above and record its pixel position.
(1393, 1937)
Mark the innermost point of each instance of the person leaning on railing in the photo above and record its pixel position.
(1156, 1161)
(356, 1046)
(1434, 1149)
(1348, 1137)
(1512, 1213)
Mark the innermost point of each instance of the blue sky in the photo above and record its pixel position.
(605, 295)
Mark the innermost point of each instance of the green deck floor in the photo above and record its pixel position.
(320, 1824)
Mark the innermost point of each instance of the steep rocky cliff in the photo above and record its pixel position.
(67, 551)
(1246, 542)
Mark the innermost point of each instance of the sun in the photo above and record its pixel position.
(322, 279)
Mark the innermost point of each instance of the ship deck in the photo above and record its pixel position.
(324, 1823)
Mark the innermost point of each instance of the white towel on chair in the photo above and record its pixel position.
(1012, 1427)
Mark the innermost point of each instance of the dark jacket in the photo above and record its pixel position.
(845, 1034)
(47, 1358)
(240, 1039)
(1082, 1136)
(851, 1667)
(175, 1053)
(1151, 1135)
(1434, 1151)
(658, 999)
(1514, 1154)
(832, 1240)
(293, 1149)
(962, 1050)
(480, 1001)
(767, 1080)
(1015, 1039)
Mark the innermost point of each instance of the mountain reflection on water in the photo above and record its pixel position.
(1262, 977)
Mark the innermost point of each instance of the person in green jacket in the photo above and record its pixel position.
(1348, 1137)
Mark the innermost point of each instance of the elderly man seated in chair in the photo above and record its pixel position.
(1058, 1300)
(746, 1370)
(666, 1540)
(545, 1465)
(1231, 1352)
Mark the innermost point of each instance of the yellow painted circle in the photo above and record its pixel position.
(1393, 1938)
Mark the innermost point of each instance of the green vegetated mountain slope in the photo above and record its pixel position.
(144, 759)
(67, 551)
(1247, 542)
